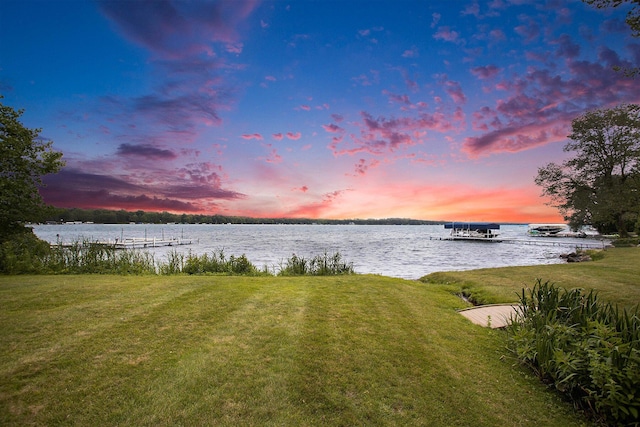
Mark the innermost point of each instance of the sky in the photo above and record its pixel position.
(440, 110)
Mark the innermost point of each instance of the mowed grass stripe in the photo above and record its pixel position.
(237, 369)
(390, 355)
(352, 350)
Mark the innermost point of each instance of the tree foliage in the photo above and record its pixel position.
(600, 184)
(25, 159)
(632, 20)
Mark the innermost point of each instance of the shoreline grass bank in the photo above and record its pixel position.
(614, 273)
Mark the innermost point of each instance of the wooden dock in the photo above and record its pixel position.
(142, 242)
(558, 243)
(552, 242)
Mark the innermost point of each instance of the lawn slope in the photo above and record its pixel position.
(615, 274)
(346, 350)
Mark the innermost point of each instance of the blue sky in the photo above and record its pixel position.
(331, 109)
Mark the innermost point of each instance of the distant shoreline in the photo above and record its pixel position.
(103, 216)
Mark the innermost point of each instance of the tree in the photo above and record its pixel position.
(600, 185)
(24, 159)
(633, 21)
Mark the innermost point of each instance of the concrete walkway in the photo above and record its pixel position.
(491, 316)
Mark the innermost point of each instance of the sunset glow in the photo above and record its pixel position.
(439, 110)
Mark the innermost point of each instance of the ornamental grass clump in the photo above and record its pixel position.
(588, 349)
(87, 257)
(218, 263)
(320, 265)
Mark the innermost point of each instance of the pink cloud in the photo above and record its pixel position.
(178, 29)
(252, 136)
(146, 151)
(427, 159)
(517, 138)
(540, 105)
(277, 136)
(370, 79)
(273, 156)
(305, 108)
(400, 99)
(381, 135)
(368, 32)
(182, 38)
(485, 72)
(411, 53)
(411, 84)
(294, 136)
(435, 18)
(447, 34)
(497, 35)
(566, 47)
(175, 191)
(472, 9)
(234, 48)
(320, 209)
(455, 91)
(332, 128)
(530, 30)
(363, 166)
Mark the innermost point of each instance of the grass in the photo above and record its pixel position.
(615, 273)
(217, 350)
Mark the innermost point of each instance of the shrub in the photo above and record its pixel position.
(22, 252)
(588, 349)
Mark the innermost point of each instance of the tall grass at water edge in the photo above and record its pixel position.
(86, 257)
(588, 349)
(90, 258)
(320, 265)
(218, 263)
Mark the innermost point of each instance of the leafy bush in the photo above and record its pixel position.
(589, 350)
(22, 253)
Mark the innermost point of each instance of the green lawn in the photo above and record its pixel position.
(211, 350)
(615, 274)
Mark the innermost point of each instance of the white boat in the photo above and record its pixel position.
(474, 231)
(553, 230)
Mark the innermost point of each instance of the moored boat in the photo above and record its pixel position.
(474, 231)
(553, 230)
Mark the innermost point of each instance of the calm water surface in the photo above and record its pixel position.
(406, 251)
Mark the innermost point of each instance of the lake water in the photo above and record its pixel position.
(406, 251)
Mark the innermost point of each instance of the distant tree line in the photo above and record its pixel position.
(104, 216)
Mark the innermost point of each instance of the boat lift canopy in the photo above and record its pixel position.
(472, 226)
